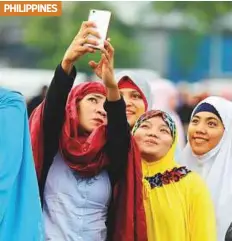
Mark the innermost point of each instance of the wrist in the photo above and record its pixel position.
(67, 66)
(112, 87)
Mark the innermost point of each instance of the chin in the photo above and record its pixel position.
(199, 151)
(131, 122)
(149, 154)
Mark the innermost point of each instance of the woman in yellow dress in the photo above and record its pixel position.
(177, 204)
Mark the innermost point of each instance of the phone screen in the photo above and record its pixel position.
(101, 19)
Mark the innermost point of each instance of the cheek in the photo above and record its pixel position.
(85, 111)
(139, 138)
(166, 143)
(140, 107)
(215, 137)
(191, 130)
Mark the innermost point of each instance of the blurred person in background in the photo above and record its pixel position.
(177, 202)
(35, 101)
(166, 98)
(20, 209)
(187, 103)
(209, 153)
(80, 150)
(227, 94)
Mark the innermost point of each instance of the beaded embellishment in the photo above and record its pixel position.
(160, 179)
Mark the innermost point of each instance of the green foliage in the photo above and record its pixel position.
(205, 11)
(52, 35)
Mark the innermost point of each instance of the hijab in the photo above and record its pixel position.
(20, 208)
(81, 153)
(216, 165)
(140, 84)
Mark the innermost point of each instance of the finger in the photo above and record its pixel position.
(106, 53)
(87, 24)
(110, 48)
(85, 49)
(84, 25)
(93, 64)
(105, 60)
(106, 43)
(91, 41)
(91, 31)
(108, 39)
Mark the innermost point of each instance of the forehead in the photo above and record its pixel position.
(206, 115)
(96, 95)
(128, 91)
(157, 120)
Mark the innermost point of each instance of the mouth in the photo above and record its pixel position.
(151, 142)
(98, 121)
(200, 140)
(129, 112)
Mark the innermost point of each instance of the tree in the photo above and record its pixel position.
(52, 35)
(206, 12)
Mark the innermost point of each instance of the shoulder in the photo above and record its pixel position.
(11, 98)
(195, 184)
(11, 94)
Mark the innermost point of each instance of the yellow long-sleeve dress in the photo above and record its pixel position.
(179, 210)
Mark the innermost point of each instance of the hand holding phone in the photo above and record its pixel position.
(101, 19)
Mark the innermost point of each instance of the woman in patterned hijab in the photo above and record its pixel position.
(176, 201)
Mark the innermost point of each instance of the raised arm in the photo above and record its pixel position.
(47, 120)
(118, 130)
(54, 108)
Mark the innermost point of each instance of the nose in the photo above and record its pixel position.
(152, 133)
(200, 128)
(127, 100)
(100, 110)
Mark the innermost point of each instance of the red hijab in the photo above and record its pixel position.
(85, 155)
(127, 83)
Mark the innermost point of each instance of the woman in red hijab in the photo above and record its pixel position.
(87, 191)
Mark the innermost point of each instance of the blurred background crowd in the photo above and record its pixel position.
(183, 49)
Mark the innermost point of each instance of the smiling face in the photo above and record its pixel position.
(205, 132)
(135, 106)
(91, 112)
(154, 138)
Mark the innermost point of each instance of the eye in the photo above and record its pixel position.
(136, 96)
(194, 121)
(212, 124)
(163, 130)
(144, 126)
(93, 100)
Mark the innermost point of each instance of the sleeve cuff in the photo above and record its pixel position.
(60, 74)
(115, 106)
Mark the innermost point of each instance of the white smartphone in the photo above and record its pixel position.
(102, 20)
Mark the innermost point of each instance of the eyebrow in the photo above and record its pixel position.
(131, 91)
(164, 125)
(135, 91)
(97, 96)
(146, 121)
(208, 118)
